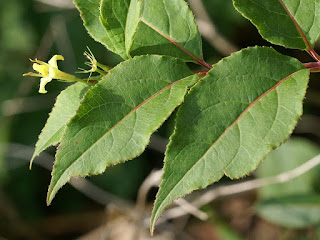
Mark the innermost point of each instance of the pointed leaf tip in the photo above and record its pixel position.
(65, 107)
(230, 120)
(117, 116)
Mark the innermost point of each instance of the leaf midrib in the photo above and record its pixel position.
(236, 121)
(304, 37)
(114, 126)
(169, 39)
(128, 48)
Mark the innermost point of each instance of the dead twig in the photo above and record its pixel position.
(237, 188)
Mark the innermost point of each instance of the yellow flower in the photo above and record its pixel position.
(49, 71)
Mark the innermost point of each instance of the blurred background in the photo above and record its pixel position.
(117, 204)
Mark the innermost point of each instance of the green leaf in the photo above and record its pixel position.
(117, 116)
(290, 23)
(162, 27)
(290, 155)
(113, 37)
(65, 107)
(247, 105)
(165, 27)
(113, 16)
(291, 211)
(134, 27)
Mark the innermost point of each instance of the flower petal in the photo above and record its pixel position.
(40, 68)
(43, 83)
(53, 61)
(32, 74)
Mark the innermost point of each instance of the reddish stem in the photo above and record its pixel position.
(198, 60)
(92, 81)
(314, 69)
(314, 55)
(310, 49)
(204, 64)
(313, 66)
(201, 71)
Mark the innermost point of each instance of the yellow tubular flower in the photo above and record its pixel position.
(49, 71)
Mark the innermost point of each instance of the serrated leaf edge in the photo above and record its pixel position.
(155, 217)
(303, 36)
(37, 153)
(52, 193)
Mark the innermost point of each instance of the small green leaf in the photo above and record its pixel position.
(112, 38)
(290, 155)
(65, 107)
(117, 116)
(247, 105)
(291, 211)
(290, 23)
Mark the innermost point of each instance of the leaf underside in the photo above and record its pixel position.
(65, 107)
(117, 116)
(248, 104)
(289, 23)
